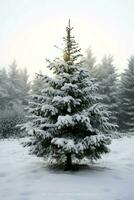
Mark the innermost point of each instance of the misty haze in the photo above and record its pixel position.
(66, 100)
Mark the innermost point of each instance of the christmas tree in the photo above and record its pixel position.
(66, 123)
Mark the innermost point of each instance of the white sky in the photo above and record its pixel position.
(30, 28)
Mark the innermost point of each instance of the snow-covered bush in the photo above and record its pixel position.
(9, 118)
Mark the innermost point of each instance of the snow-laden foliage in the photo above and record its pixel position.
(126, 96)
(66, 120)
(69, 120)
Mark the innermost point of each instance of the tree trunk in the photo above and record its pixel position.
(68, 164)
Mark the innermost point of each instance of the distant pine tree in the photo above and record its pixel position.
(89, 62)
(37, 84)
(4, 85)
(14, 89)
(107, 79)
(24, 85)
(66, 122)
(19, 85)
(126, 96)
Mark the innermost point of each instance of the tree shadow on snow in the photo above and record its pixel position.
(60, 168)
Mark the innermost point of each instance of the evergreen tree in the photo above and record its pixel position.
(24, 85)
(126, 95)
(14, 89)
(13, 94)
(107, 79)
(19, 85)
(66, 121)
(89, 62)
(4, 84)
(37, 84)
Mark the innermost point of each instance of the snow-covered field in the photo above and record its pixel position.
(25, 177)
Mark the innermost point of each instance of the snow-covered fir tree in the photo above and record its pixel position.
(126, 96)
(106, 76)
(66, 123)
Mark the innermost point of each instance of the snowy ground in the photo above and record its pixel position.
(23, 177)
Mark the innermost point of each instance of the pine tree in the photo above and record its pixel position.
(11, 113)
(14, 89)
(107, 79)
(19, 85)
(89, 62)
(24, 86)
(4, 84)
(37, 84)
(126, 96)
(13, 94)
(66, 122)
